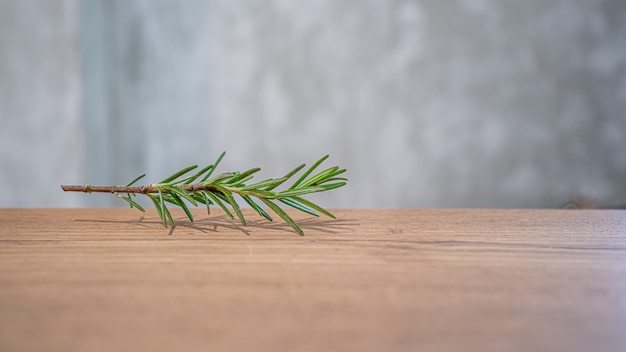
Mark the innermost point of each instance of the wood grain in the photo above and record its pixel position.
(372, 280)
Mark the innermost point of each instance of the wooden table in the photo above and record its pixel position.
(372, 280)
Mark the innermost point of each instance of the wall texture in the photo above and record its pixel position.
(479, 103)
(40, 122)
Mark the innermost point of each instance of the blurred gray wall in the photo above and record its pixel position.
(41, 127)
(482, 103)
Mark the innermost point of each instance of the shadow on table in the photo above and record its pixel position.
(222, 222)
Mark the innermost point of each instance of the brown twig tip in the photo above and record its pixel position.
(181, 188)
(133, 190)
(106, 189)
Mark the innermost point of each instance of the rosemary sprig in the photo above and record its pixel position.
(180, 190)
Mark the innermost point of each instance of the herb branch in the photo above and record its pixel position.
(201, 187)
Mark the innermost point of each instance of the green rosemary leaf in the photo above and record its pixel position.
(338, 172)
(292, 203)
(276, 209)
(233, 203)
(169, 199)
(176, 175)
(169, 216)
(249, 172)
(132, 203)
(314, 180)
(240, 182)
(198, 197)
(220, 203)
(286, 177)
(261, 184)
(326, 176)
(337, 179)
(217, 162)
(235, 176)
(240, 178)
(220, 178)
(192, 178)
(219, 195)
(329, 186)
(178, 201)
(310, 204)
(181, 192)
(257, 208)
(208, 203)
(164, 209)
(258, 193)
(166, 213)
(208, 200)
(161, 201)
(135, 180)
(298, 192)
(308, 172)
(157, 206)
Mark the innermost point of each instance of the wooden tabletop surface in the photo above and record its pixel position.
(372, 280)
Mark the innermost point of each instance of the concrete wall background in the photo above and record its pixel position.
(428, 104)
(40, 120)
